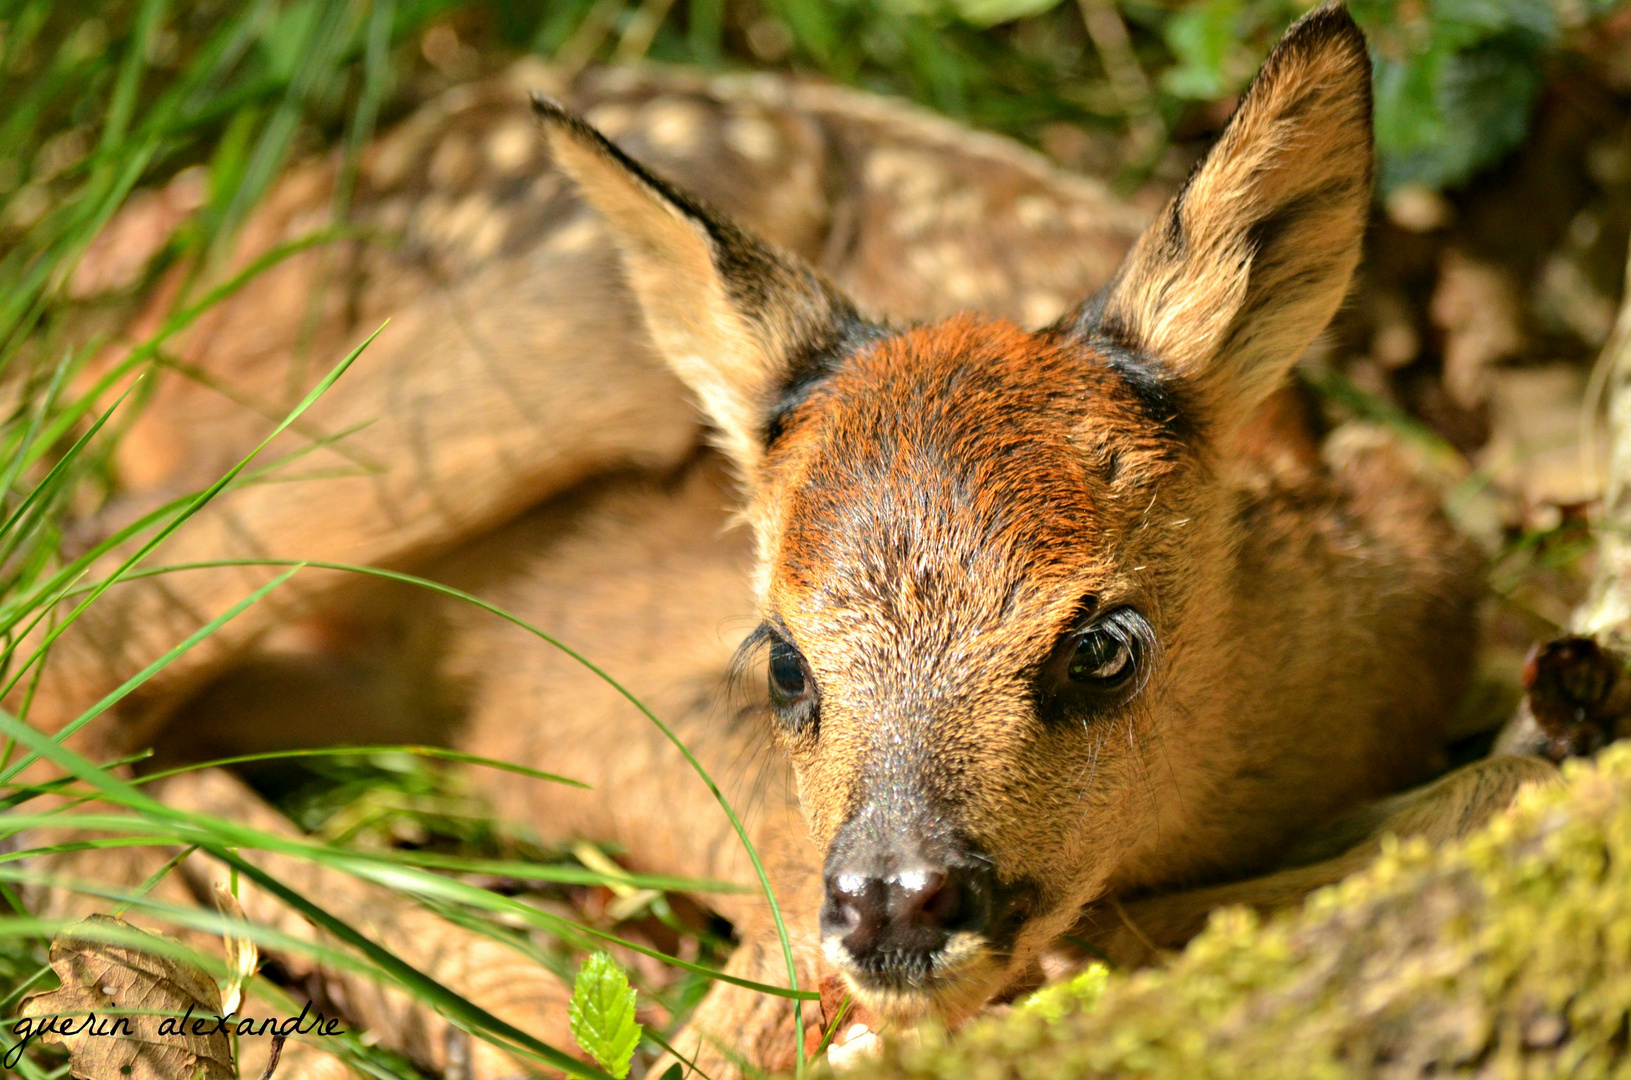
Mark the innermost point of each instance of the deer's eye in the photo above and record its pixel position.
(788, 683)
(1101, 658)
(1098, 665)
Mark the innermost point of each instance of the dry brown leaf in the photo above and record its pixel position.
(1476, 306)
(99, 978)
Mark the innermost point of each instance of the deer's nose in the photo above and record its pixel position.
(891, 918)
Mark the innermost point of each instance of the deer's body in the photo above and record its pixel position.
(941, 516)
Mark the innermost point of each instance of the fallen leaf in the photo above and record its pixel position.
(1476, 306)
(101, 977)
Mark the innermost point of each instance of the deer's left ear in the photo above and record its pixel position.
(744, 325)
(1253, 256)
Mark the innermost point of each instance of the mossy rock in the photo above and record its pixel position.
(1505, 955)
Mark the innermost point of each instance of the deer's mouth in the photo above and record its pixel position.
(950, 982)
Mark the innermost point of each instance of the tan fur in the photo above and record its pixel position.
(928, 512)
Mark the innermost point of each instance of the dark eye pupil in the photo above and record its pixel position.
(786, 672)
(1099, 658)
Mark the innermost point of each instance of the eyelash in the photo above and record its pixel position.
(797, 715)
(1059, 694)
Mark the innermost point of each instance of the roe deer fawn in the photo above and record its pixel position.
(1050, 623)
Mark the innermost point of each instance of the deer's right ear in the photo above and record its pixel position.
(744, 325)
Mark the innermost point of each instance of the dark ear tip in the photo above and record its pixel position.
(1327, 45)
(558, 118)
(1327, 26)
(551, 111)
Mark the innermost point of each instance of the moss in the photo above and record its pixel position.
(1505, 955)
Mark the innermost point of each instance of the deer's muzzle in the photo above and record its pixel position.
(907, 920)
(904, 917)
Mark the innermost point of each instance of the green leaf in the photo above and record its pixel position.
(1483, 98)
(602, 1014)
(1406, 110)
(985, 13)
(1205, 38)
(1477, 20)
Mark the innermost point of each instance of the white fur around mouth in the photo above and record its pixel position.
(950, 969)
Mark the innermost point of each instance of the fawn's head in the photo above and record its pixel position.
(986, 554)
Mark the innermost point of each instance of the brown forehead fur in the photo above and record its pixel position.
(937, 466)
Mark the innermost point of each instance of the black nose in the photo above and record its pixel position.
(887, 917)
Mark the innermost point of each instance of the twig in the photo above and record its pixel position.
(1606, 613)
(1127, 79)
(1133, 927)
(272, 1058)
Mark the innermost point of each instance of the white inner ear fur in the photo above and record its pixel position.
(669, 260)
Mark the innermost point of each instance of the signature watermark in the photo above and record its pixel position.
(66, 1025)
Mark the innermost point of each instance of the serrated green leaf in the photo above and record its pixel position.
(602, 1014)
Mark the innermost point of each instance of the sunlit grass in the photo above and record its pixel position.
(424, 876)
(147, 90)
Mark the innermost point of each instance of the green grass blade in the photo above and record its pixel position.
(425, 988)
(21, 795)
(196, 504)
(177, 323)
(437, 752)
(14, 465)
(123, 105)
(52, 480)
(375, 959)
(135, 681)
(458, 594)
(141, 832)
(184, 827)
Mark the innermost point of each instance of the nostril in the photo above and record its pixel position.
(857, 908)
(919, 896)
(942, 900)
(848, 914)
(943, 907)
(893, 919)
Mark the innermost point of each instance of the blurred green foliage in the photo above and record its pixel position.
(1456, 80)
(101, 97)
